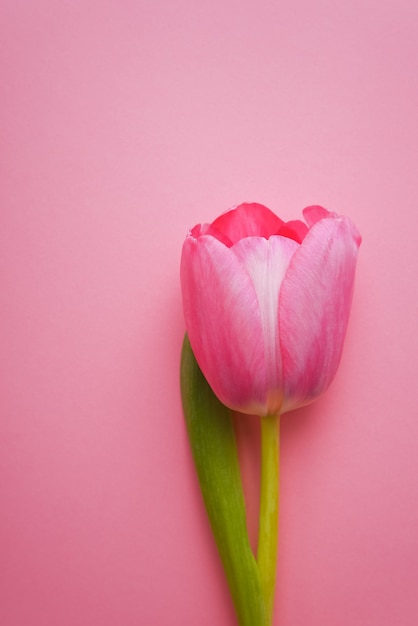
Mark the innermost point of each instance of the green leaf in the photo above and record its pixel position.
(212, 439)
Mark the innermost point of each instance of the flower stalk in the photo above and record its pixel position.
(269, 509)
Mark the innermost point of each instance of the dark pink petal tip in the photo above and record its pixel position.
(208, 229)
(248, 220)
(295, 229)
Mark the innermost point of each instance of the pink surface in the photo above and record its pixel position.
(122, 125)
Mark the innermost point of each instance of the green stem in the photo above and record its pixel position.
(269, 509)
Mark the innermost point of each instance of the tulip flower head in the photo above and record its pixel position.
(266, 304)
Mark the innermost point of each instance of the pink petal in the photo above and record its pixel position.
(314, 213)
(224, 324)
(266, 261)
(209, 229)
(248, 220)
(314, 306)
(295, 229)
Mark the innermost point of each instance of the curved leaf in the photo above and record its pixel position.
(212, 439)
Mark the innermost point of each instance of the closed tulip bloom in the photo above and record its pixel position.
(266, 304)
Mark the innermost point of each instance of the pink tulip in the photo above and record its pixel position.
(266, 304)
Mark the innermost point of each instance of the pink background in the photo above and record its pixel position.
(123, 123)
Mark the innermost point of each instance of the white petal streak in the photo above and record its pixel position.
(266, 261)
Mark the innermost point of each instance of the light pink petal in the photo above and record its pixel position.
(248, 220)
(314, 306)
(314, 213)
(266, 261)
(223, 322)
